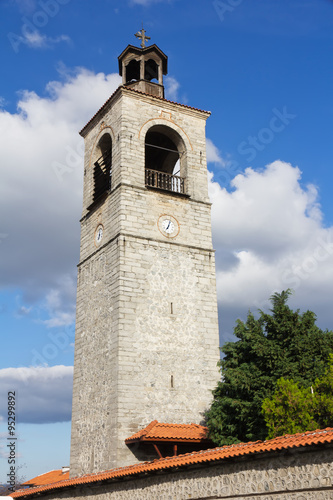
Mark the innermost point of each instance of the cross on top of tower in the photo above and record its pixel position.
(142, 35)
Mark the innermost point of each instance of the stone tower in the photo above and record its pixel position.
(147, 341)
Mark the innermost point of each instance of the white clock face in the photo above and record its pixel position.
(99, 234)
(168, 226)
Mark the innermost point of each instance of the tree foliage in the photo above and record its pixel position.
(282, 343)
(323, 397)
(289, 410)
(296, 409)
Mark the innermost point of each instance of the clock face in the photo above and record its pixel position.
(99, 234)
(168, 226)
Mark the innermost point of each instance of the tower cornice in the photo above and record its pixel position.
(123, 90)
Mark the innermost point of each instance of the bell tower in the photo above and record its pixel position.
(146, 343)
(143, 69)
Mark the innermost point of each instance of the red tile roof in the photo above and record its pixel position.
(301, 440)
(142, 93)
(180, 433)
(54, 476)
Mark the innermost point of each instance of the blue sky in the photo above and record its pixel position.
(264, 70)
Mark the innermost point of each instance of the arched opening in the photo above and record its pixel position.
(133, 71)
(151, 70)
(102, 167)
(164, 159)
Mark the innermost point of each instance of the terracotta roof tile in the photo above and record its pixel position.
(142, 93)
(156, 431)
(53, 476)
(304, 439)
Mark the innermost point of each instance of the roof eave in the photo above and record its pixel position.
(170, 464)
(167, 440)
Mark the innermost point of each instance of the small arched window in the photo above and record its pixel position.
(133, 71)
(102, 167)
(151, 70)
(164, 159)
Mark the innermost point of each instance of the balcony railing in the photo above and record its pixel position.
(167, 182)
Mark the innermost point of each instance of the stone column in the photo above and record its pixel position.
(124, 72)
(142, 68)
(160, 74)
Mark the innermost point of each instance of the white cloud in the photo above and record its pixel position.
(213, 154)
(171, 88)
(43, 394)
(60, 319)
(40, 250)
(24, 311)
(60, 303)
(269, 236)
(36, 40)
(279, 213)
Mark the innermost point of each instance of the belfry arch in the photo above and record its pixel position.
(151, 70)
(132, 72)
(165, 159)
(102, 166)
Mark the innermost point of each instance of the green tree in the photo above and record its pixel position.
(289, 410)
(296, 409)
(323, 397)
(282, 343)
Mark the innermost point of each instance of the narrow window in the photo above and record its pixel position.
(172, 386)
(102, 167)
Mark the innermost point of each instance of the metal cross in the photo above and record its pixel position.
(142, 35)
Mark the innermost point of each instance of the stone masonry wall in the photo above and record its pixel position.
(292, 475)
(167, 366)
(95, 362)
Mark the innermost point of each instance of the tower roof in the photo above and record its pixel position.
(53, 476)
(144, 51)
(156, 431)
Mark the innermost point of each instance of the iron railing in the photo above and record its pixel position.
(167, 182)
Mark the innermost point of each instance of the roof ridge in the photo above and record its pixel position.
(304, 433)
(182, 425)
(149, 427)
